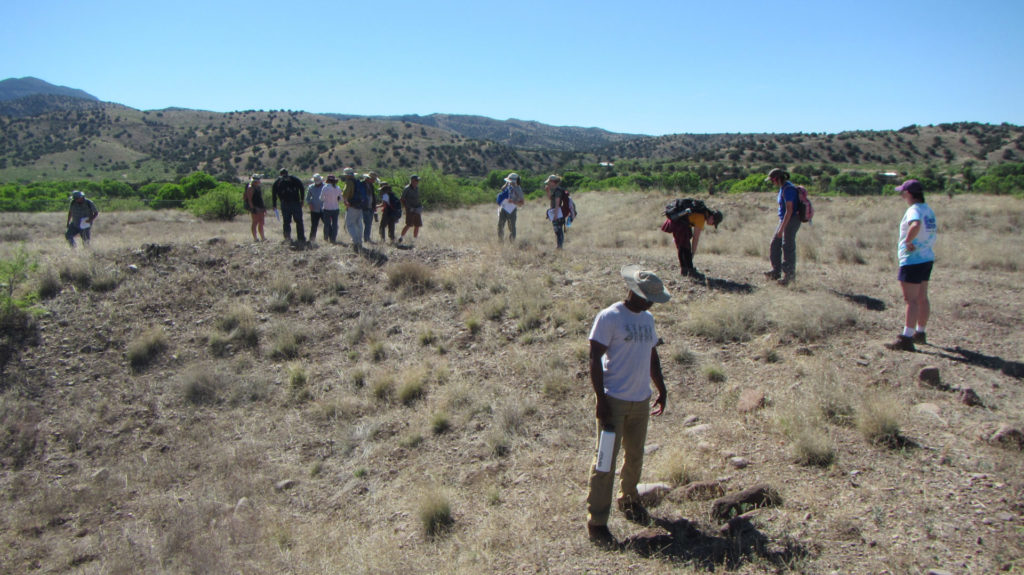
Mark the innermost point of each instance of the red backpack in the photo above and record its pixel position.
(804, 209)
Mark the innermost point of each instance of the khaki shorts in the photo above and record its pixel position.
(414, 220)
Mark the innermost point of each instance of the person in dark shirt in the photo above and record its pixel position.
(291, 192)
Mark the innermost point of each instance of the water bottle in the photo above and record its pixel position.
(605, 445)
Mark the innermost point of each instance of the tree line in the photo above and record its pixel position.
(209, 197)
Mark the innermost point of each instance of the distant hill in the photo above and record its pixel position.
(14, 88)
(56, 136)
(516, 133)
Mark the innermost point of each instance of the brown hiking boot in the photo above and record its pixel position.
(920, 338)
(902, 343)
(600, 535)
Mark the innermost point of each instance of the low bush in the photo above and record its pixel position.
(145, 348)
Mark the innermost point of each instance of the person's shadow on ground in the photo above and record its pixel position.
(866, 302)
(678, 540)
(375, 256)
(722, 284)
(978, 359)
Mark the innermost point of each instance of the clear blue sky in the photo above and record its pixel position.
(639, 66)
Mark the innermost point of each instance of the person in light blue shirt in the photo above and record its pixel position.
(916, 257)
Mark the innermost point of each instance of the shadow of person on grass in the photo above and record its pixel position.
(866, 302)
(375, 256)
(721, 284)
(956, 353)
(679, 541)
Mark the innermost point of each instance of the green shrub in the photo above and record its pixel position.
(221, 203)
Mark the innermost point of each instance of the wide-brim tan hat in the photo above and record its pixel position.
(645, 284)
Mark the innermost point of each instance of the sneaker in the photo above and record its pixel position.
(400, 240)
(600, 535)
(902, 343)
(920, 338)
(635, 512)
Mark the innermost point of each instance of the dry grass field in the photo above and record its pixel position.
(195, 402)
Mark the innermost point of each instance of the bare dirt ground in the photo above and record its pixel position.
(192, 401)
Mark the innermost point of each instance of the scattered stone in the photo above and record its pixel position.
(739, 462)
(750, 400)
(101, 474)
(696, 429)
(929, 408)
(697, 491)
(652, 448)
(285, 484)
(967, 396)
(930, 376)
(214, 241)
(133, 268)
(651, 494)
(1008, 436)
(757, 496)
(690, 421)
(938, 572)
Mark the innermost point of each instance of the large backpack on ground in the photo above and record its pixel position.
(678, 208)
(804, 209)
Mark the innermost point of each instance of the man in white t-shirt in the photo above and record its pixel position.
(623, 362)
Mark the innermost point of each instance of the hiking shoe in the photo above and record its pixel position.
(902, 343)
(785, 280)
(600, 535)
(920, 338)
(635, 512)
(772, 275)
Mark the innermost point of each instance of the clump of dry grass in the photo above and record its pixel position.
(282, 294)
(678, 466)
(286, 342)
(435, 513)
(298, 382)
(201, 385)
(144, 349)
(714, 373)
(76, 272)
(410, 276)
(440, 423)
(413, 386)
(48, 284)
(235, 326)
(878, 421)
(805, 316)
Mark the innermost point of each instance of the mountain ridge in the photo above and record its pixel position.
(51, 136)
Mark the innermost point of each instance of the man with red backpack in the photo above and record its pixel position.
(782, 252)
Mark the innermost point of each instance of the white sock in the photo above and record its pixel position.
(908, 332)
(920, 329)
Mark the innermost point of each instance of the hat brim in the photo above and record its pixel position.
(629, 274)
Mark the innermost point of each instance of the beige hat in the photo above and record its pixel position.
(645, 284)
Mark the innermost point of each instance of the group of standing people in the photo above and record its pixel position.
(624, 358)
(325, 198)
(561, 209)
